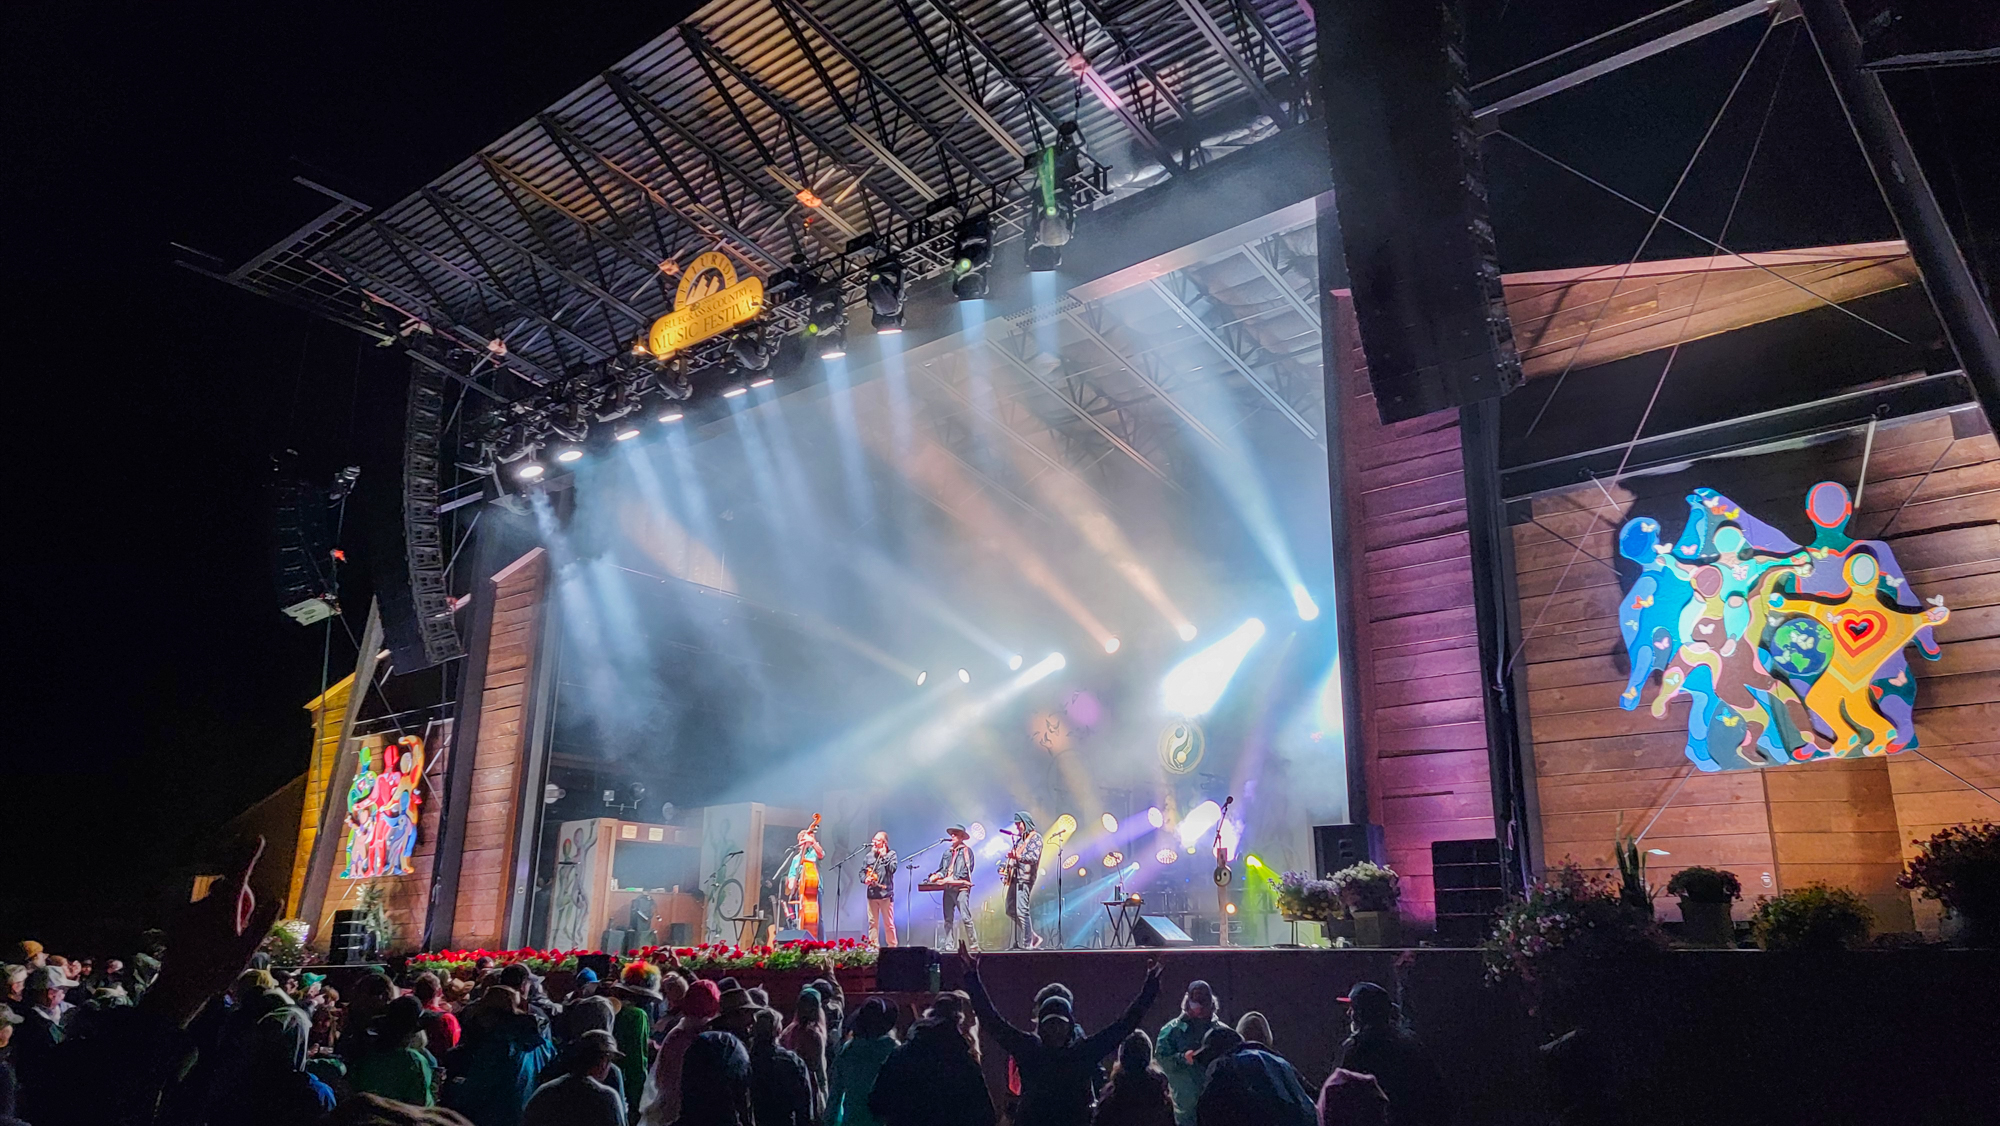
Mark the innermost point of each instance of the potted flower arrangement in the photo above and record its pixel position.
(1571, 932)
(1706, 895)
(286, 944)
(1960, 868)
(1370, 892)
(1302, 899)
(1815, 918)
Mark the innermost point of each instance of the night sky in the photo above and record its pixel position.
(154, 688)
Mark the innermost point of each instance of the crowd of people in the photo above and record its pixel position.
(198, 1030)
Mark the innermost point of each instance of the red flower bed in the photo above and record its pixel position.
(720, 957)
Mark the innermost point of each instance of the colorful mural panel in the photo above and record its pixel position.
(1787, 654)
(382, 806)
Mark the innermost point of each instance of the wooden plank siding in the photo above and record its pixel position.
(1417, 658)
(1932, 492)
(329, 712)
(493, 805)
(406, 899)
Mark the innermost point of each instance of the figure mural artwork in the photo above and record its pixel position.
(1787, 654)
(382, 811)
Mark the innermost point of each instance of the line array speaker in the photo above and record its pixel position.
(1412, 204)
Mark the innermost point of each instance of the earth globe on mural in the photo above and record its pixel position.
(1801, 648)
(1181, 746)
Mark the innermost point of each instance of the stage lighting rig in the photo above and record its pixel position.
(972, 253)
(1051, 218)
(753, 348)
(827, 321)
(885, 295)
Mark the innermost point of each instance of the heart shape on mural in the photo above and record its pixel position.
(1854, 629)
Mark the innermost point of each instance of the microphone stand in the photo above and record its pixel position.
(1059, 898)
(839, 883)
(909, 905)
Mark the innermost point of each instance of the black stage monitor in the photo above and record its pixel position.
(1158, 930)
(792, 935)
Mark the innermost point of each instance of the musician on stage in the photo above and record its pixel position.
(956, 869)
(801, 885)
(879, 874)
(1023, 863)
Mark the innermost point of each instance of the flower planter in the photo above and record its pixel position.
(1707, 924)
(1377, 929)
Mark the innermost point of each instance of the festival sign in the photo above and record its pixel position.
(1788, 654)
(709, 302)
(382, 811)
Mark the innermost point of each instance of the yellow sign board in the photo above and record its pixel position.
(710, 301)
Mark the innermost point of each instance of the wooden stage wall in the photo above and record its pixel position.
(1416, 658)
(1933, 493)
(494, 803)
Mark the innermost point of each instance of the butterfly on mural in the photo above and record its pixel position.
(1786, 653)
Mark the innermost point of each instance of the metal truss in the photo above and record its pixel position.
(1288, 380)
(772, 129)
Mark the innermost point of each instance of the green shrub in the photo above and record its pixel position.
(1960, 868)
(1571, 925)
(1816, 917)
(1705, 885)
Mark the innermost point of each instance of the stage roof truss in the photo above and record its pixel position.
(562, 238)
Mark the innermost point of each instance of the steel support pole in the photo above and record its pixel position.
(1967, 319)
(1496, 611)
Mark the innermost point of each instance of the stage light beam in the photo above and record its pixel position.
(1187, 631)
(1155, 818)
(1303, 601)
(732, 392)
(1111, 645)
(922, 677)
(626, 433)
(572, 454)
(1014, 663)
(531, 472)
(964, 677)
(1195, 685)
(671, 416)
(1198, 822)
(1110, 822)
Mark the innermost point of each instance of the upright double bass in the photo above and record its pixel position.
(802, 879)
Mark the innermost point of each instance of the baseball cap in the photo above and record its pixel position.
(1364, 993)
(49, 977)
(1216, 1043)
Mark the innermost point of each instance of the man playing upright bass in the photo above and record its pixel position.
(1023, 863)
(879, 874)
